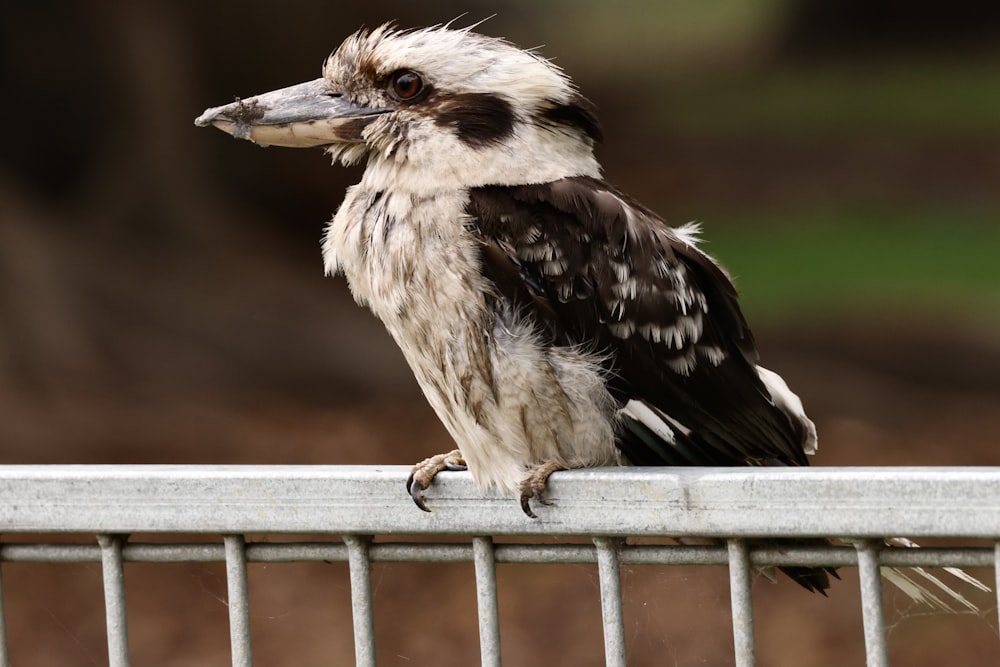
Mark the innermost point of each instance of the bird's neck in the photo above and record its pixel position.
(444, 164)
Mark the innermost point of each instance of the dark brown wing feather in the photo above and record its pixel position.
(595, 268)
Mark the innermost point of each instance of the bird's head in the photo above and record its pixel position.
(429, 109)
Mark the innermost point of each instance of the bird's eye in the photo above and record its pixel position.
(406, 85)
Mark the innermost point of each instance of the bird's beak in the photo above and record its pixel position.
(302, 116)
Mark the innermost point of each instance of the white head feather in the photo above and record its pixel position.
(423, 146)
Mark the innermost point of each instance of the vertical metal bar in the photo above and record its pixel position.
(486, 596)
(113, 569)
(361, 599)
(742, 603)
(239, 601)
(996, 573)
(871, 603)
(4, 659)
(608, 568)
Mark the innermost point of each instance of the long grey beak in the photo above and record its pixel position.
(301, 116)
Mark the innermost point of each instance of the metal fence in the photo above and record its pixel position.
(861, 505)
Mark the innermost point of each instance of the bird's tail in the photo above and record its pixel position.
(813, 579)
(927, 589)
(917, 583)
(649, 437)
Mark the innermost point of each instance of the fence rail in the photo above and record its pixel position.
(358, 503)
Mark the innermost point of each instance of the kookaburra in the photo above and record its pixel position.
(552, 321)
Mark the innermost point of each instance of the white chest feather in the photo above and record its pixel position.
(509, 400)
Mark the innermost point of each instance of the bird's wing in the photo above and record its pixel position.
(594, 268)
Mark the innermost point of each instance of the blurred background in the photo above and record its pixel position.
(162, 297)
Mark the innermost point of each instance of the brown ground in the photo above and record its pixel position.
(425, 613)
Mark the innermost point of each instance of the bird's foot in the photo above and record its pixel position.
(533, 486)
(424, 473)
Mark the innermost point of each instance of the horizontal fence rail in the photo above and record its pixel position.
(698, 502)
(362, 505)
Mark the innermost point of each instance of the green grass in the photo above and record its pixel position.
(828, 264)
(898, 97)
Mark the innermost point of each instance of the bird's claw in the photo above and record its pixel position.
(416, 490)
(533, 487)
(424, 473)
(526, 499)
(526, 505)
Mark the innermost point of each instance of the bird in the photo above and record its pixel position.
(552, 321)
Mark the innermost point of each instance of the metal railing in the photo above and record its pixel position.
(358, 503)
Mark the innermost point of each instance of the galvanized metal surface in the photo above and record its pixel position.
(597, 508)
(4, 659)
(996, 573)
(486, 601)
(876, 654)
(112, 565)
(776, 502)
(741, 602)
(402, 552)
(361, 599)
(239, 601)
(609, 572)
